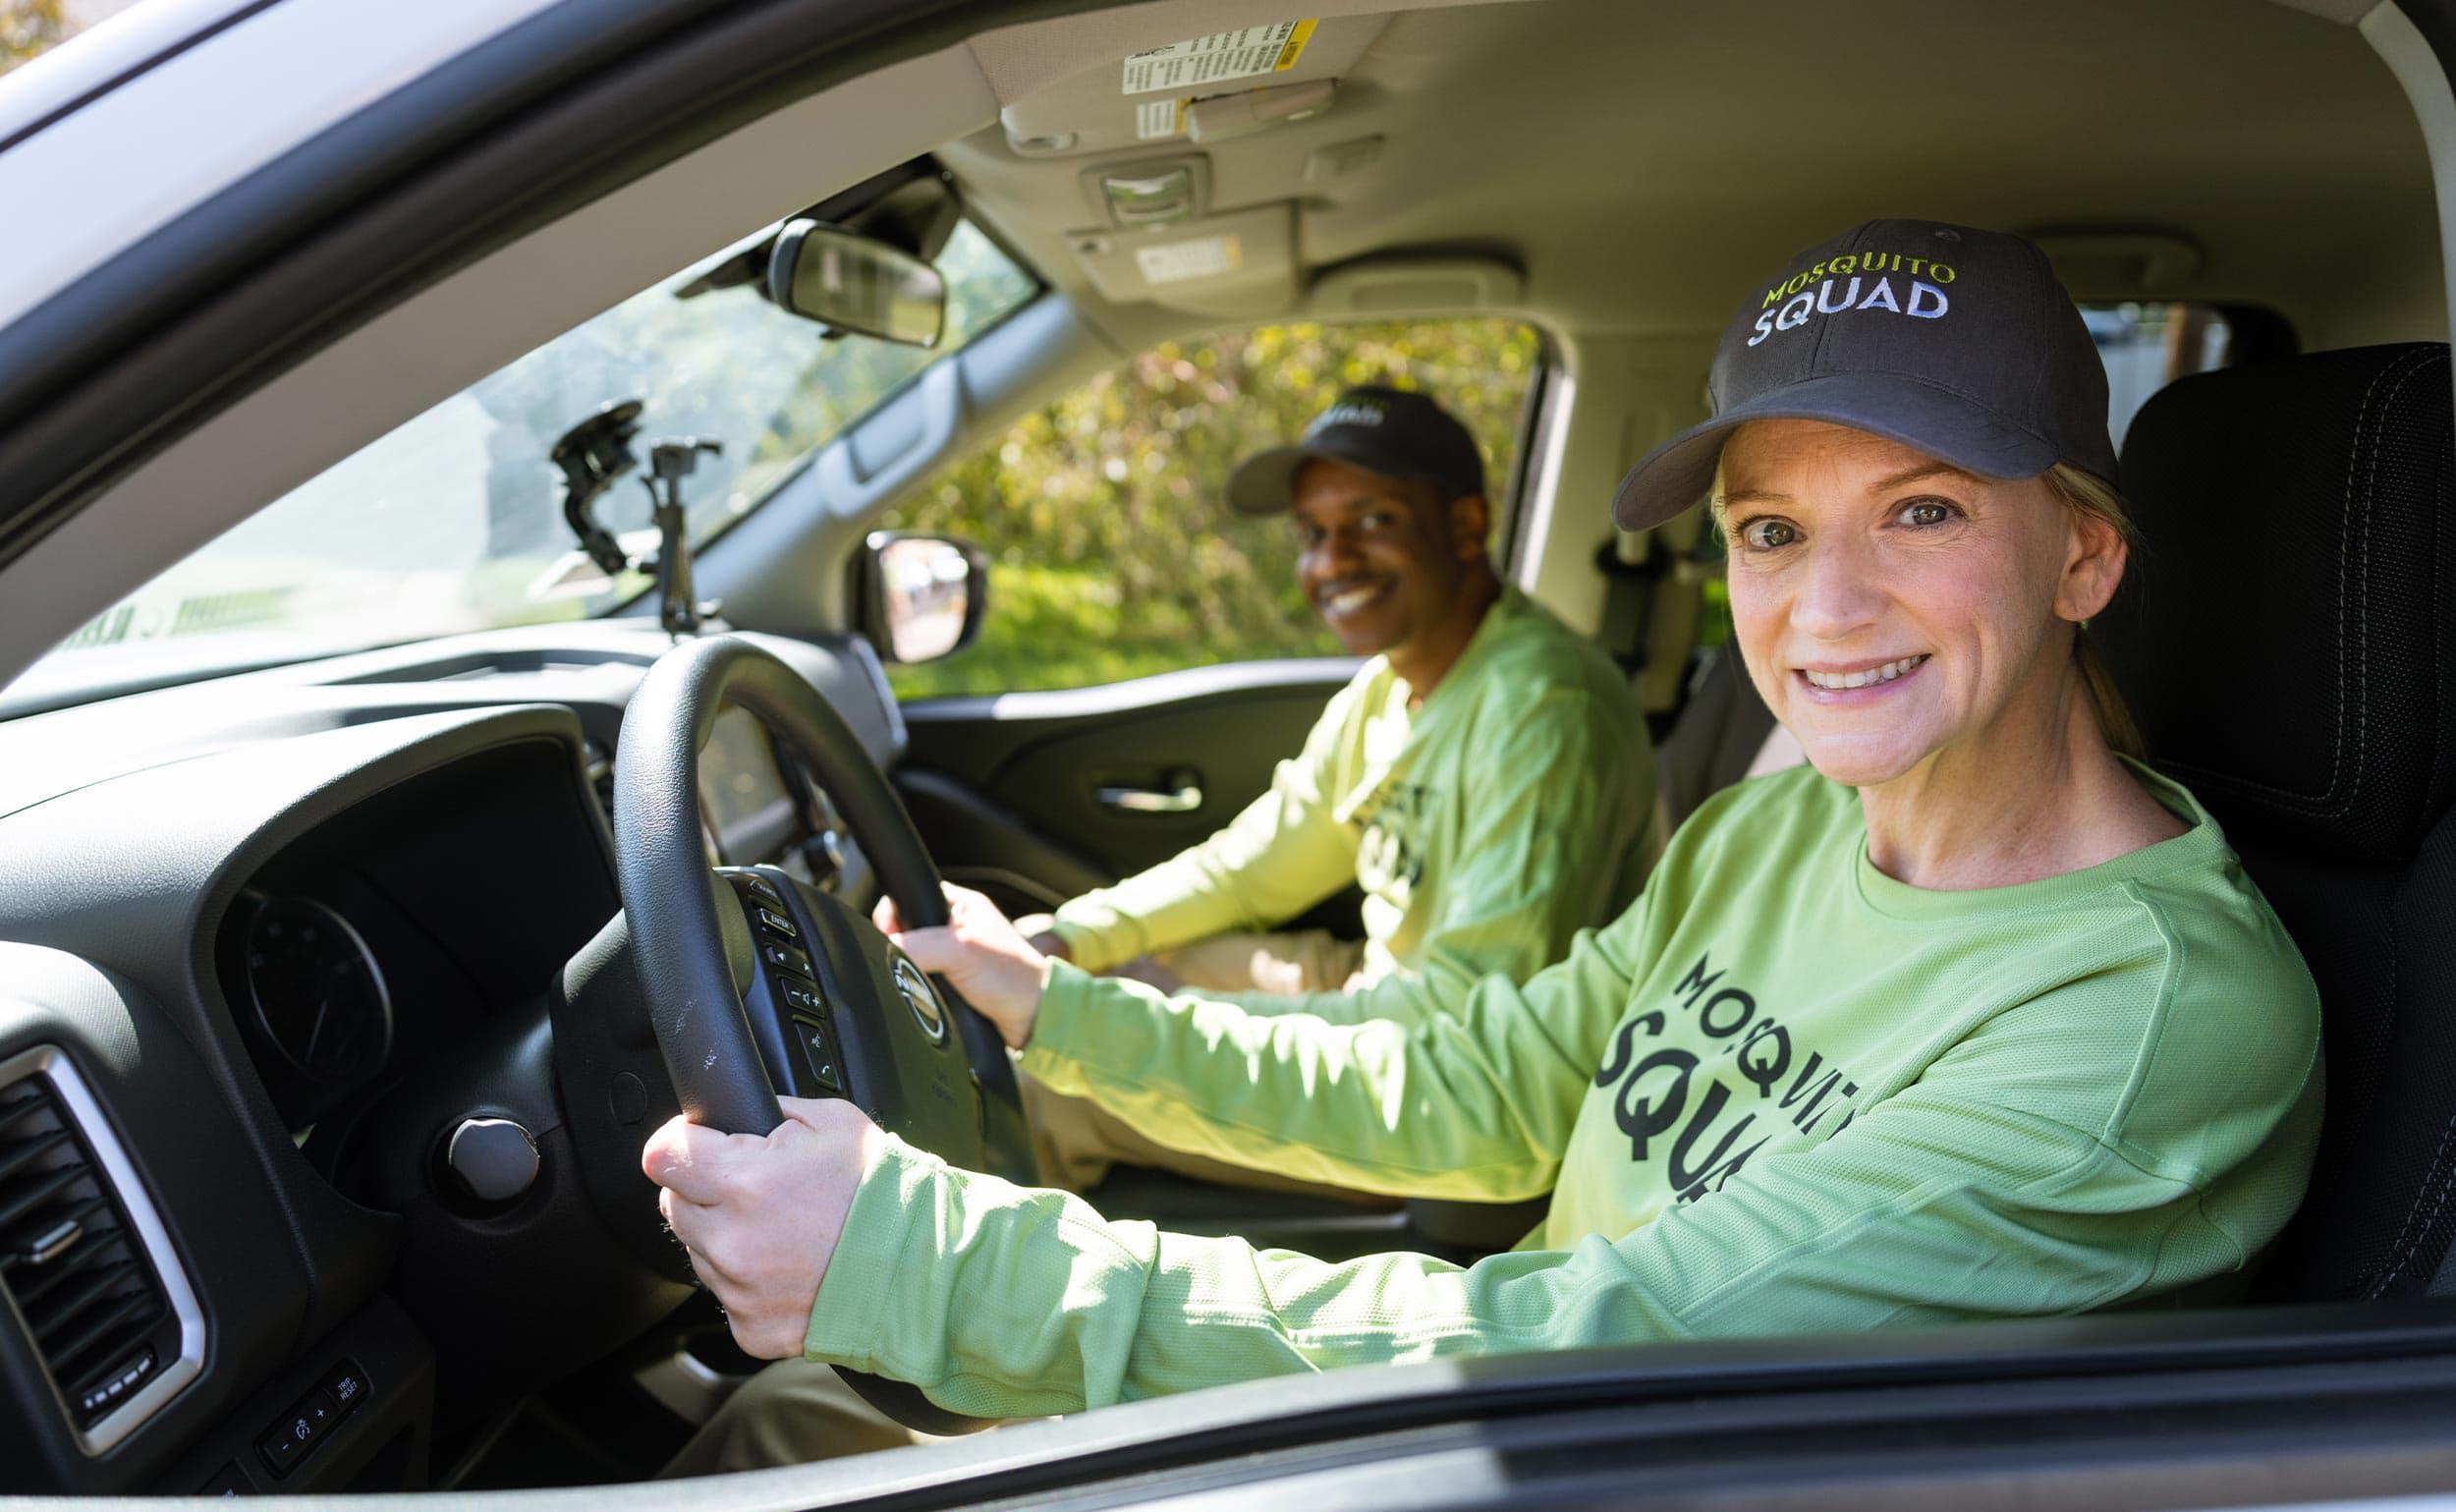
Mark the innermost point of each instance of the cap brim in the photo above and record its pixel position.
(1266, 483)
(1944, 425)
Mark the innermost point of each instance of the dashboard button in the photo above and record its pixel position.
(347, 1386)
(320, 1410)
(290, 1439)
(785, 957)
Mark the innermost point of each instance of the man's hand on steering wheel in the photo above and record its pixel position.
(985, 957)
(760, 1214)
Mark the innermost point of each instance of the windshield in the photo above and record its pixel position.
(454, 521)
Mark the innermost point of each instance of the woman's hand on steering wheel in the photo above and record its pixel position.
(761, 1214)
(985, 957)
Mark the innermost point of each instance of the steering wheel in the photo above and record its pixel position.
(754, 980)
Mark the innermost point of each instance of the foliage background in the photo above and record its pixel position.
(1115, 553)
(30, 26)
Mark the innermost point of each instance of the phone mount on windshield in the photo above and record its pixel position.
(597, 452)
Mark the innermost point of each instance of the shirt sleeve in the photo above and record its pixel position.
(1474, 1103)
(1560, 798)
(1286, 852)
(1964, 1196)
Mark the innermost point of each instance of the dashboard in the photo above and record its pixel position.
(258, 937)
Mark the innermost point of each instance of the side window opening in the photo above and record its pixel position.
(1115, 554)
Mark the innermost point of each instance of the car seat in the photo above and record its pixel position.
(2287, 639)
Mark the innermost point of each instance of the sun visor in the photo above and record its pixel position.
(1140, 100)
(1393, 285)
(1240, 264)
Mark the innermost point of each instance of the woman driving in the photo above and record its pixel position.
(1974, 1016)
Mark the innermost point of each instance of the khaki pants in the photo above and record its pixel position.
(791, 1413)
(794, 1411)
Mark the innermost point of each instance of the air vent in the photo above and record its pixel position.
(87, 1280)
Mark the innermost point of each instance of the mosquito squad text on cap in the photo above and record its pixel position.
(1955, 342)
(1391, 431)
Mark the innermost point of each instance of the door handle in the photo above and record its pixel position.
(1183, 799)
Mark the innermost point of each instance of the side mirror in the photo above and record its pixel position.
(855, 284)
(921, 598)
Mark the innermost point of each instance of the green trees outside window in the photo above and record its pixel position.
(1115, 554)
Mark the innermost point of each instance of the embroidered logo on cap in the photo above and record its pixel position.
(1347, 411)
(1820, 291)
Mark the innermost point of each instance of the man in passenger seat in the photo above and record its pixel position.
(1484, 777)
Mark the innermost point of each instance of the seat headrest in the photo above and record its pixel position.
(2287, 631)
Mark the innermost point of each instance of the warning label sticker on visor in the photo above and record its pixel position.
(1158, 120)
(1172, 262)
(1219, 57)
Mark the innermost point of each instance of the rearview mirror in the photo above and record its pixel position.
(855, 284)
(921, 597)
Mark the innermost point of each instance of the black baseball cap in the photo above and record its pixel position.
(1393, 431)
(1955, 342)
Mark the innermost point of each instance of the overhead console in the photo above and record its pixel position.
(1161, 219)
(1258, 171)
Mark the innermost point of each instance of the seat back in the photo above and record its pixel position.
(2287, 638)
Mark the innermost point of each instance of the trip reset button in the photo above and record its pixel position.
(311, 1418)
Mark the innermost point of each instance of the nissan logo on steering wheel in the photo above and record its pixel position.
(916, 991)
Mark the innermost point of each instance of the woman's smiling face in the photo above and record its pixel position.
(1892, 608)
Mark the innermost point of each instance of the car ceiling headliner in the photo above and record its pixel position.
(1643, 163)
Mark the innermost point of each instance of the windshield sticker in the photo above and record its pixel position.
(1219, 57)
(1173, 263)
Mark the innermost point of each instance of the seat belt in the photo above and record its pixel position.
(1629, 598)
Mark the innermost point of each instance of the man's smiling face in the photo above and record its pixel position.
(1381, 562)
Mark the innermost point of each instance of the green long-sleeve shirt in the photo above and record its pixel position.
(1486, 826)
(1783, 1093)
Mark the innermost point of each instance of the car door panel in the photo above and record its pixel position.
(1036, 796)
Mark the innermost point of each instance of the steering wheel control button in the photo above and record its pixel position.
(818, 1055)
(494, 1158)
(761, 886)
(777, 924)
(800, 999)
(918, 995)
(229, 1480)
(785, 957)
(630, 1098)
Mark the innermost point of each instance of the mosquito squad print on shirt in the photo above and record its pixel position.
(1698, 1107)
(1390, 855)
